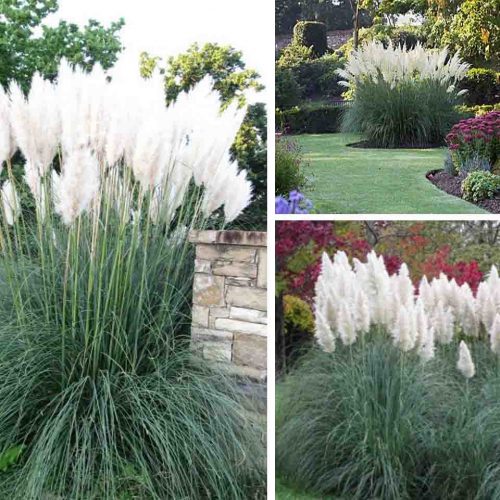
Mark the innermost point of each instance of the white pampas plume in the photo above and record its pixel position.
(425, 292)
(6, 139)
(426, 348)
(493, 278)
(149, 157)
(444, 324)
(36, 122)
(323, 333)
(470, 322)
(495, 335)
(227, 187)
(465, 364)
(488, 312)
(404, 286)
(10, 202)
(421, 322)
(346, 326)
(361, 312)
(238, 196)
(402, 333)
(77, 186)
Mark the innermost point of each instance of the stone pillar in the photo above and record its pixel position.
(230, 299)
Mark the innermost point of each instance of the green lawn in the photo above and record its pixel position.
(352, 180)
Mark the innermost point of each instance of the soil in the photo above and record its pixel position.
(451, 184)
(369, 145)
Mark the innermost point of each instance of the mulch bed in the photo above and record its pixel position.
(370, 145)
(452, 184)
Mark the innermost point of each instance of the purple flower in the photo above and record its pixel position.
(281, 206)
(297, 203)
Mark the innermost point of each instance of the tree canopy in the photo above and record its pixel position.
(27, 45)
(223, 63)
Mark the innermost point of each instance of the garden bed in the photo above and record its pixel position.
(451, 184)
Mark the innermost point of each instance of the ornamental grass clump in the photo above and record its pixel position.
(402, 97)
(400, 397)
(98, 388)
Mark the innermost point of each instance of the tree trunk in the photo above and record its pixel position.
(356, 26)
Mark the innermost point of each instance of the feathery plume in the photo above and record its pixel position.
(495, 335)
(426, 347)
(77, 186)
(465, 364)
(6, 139)
(323, 334)
(10, 202)
(346, 326)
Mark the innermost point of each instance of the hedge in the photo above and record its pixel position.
(310, 119)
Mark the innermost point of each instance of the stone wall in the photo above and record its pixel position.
(230, 299)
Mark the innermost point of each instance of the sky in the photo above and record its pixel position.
(168, 27)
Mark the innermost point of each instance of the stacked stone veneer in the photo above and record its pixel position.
(230, 299)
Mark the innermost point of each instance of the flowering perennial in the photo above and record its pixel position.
(351, 298)
(84, 136)
(296, 203)
(476, 137)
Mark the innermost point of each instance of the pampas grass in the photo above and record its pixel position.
(402, 97)
(369, 421)
(99, 390)
(406, 409)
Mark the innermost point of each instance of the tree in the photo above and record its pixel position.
(475, 31)
(27, 46)
(377, 9)
(223, 63)
(231, 79)
(287, 12)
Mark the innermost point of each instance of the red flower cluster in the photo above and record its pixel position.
(461, 272)
(476, 136)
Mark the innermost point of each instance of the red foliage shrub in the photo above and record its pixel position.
(461, 272)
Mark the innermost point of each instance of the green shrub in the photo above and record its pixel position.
(482, 85)
(318, 78)
(294, 54)
(480, 185)
(298, 314)
(289, 175)
(288, 92)
(318, 118)
(311, 34)
(411, 114)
